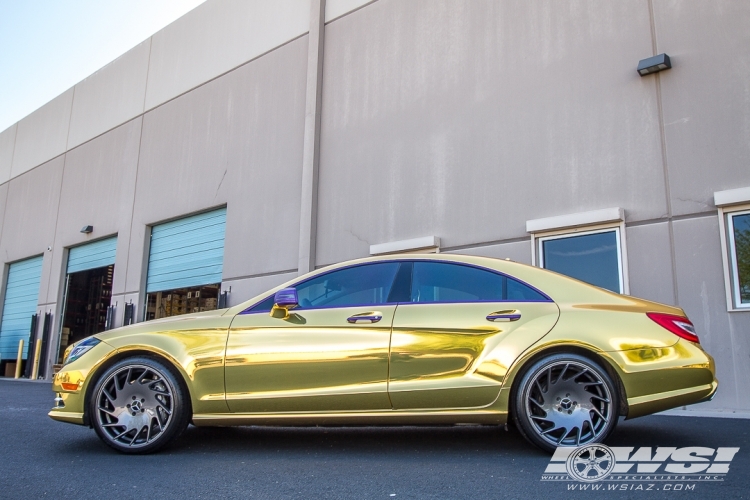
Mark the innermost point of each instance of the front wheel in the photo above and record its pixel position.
(565, 400)
(138, 406)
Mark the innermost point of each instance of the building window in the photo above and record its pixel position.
(734, 228)
(593, 256)
(738, 225)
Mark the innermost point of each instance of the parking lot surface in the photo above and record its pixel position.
(44, 458)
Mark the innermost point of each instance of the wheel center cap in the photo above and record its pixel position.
(135, 406)
(566, 404)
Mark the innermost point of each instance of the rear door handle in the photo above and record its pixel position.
(368, 317)
(507, 315)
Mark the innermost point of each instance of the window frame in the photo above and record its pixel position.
(248, 310)
(538, 239)
(729, 255)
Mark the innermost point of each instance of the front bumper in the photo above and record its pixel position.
(70, 405)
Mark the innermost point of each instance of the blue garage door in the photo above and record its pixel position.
(187, 252)
(21, 295)
(92, 255)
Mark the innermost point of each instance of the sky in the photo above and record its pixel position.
(47, 46)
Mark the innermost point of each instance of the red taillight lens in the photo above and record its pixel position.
(679, 325)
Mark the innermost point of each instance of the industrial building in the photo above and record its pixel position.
(252, 141)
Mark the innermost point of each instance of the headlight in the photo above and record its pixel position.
(80, 348)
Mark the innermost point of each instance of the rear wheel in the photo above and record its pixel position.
(138, 406)
(565, 400)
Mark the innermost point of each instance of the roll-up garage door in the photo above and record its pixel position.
(92, 255)
(21, 296)
(187, 252)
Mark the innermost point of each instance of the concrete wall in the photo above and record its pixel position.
(236, 141)
(209, 41)
(111, 96)
(706, 98)
(443, 110)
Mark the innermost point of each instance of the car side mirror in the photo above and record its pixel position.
(284, 300)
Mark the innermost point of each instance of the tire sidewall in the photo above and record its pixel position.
(520, 415)
(180, 410)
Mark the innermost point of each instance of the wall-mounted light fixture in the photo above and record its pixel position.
(654, 64)
(87, 229)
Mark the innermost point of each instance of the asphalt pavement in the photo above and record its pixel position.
(44, 458)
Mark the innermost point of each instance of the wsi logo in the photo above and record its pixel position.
(598, 462)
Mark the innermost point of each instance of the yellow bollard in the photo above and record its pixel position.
(37, 353)
(19, 358)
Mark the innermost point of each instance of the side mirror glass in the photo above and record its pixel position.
(286, 297)
(284, 300)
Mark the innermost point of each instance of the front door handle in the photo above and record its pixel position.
(507, 315)
(368, 317)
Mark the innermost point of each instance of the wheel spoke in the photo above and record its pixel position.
(553, 398)
(600, 415)
(105, 410)
(135, 406)
(562, 373)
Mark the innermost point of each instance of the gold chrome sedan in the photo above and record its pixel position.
(428, 339)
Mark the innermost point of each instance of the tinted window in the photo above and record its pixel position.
(263, 306)
(518, 292)
(592, 258)
(368, 284)
(445, 282)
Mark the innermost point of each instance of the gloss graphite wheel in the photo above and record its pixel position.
(565, 400)
(138, 406)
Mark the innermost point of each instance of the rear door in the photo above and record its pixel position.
(454, 341)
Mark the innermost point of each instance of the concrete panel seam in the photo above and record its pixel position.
(311, 140)
(5, 207)
(135, 189)
(658, 220)
(148, 72)
(158, 105)
(70, 118)
(664, 155)
(259, 275)
(486, 244)
(57, 218)
(351, 11)
(222, 74)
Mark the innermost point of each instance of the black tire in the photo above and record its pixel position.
(138, 406)
(565, 400)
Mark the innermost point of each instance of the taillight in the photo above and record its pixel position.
(679, 325)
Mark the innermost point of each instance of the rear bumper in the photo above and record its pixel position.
(646, 405)
(658, 379)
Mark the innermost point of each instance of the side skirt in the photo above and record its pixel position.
(385, 417)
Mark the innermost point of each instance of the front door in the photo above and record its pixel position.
(453, 343)
(330, 354)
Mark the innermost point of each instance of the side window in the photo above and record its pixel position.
(368, 284)
(519, 292)
(446, 282)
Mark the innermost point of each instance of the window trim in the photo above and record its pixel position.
(537, 239)
(729, 255)
(247, 310)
